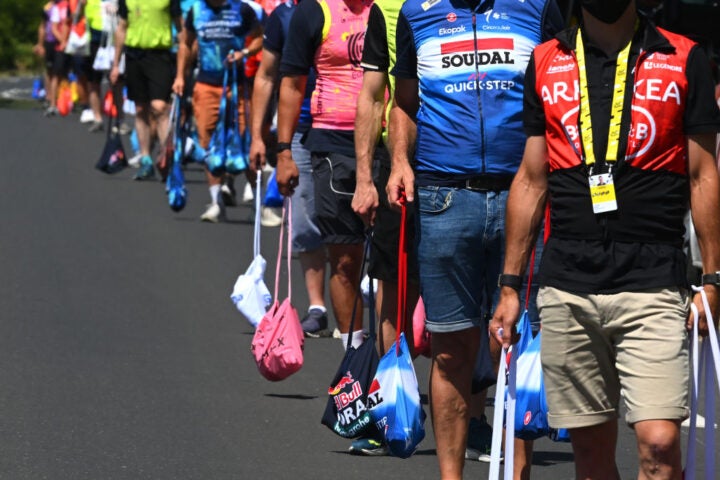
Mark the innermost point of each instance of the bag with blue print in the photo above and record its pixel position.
(217, 149)
(237, 147)
(397, 412)
(175, 182)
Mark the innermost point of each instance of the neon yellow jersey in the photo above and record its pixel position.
(149, 24)
(93, 14)
(391, 11)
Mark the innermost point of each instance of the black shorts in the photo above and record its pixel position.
(61, 63)
(83, 65)
(149, 75)
(334, 177)
(49, 55)
(383, 262)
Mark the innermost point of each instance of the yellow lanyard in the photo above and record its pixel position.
(618, 100)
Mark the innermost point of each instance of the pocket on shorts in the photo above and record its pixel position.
(434, 200)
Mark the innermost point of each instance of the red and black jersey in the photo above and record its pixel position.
(650, 177)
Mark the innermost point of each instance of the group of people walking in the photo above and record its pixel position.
(489, 121)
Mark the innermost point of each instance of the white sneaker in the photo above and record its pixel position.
(271, 216)
(248, 195)
(214, 213)
(135, 161)
(87, 116)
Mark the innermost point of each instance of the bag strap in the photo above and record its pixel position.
(222, 115)
(507, 371)
(371, 303)
(234, 121)
(256, 234)
(177, 131)
(402, 274)
(286, 213)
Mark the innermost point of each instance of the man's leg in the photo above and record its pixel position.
(659, 451)
(142, 127)
(161, 117)
(313, 267)
(594, 450)
(345, 263)
(453, 359)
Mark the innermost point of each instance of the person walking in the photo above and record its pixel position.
(456, 140)
(621, 124)
(144, 34)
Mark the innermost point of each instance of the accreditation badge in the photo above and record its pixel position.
(602, 193)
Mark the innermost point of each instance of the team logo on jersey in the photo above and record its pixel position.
(485, 51)
(355, 43)
(451, 17)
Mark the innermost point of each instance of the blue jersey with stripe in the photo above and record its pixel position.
(470, 65)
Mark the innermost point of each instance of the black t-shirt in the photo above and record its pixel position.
(298, 57)
(610, 266)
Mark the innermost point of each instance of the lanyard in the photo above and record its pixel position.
(618, 100)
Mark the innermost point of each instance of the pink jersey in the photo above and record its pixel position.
(337, 60)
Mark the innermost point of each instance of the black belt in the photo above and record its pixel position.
(482, 183)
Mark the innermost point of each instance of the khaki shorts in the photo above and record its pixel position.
(596, 348)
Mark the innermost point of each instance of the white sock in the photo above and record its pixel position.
(215, 193)
(358, 337)
(318, 307)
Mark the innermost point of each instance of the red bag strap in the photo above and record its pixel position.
(286, 213)
(402, 275)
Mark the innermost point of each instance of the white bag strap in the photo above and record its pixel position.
(256, 234)
(507, 406)
(286, 213)
(707, 358)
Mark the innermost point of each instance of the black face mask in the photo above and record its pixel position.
(607, 11)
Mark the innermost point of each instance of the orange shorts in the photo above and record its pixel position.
(206, 105)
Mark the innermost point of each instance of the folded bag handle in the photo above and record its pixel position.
(371, 303)
(402, 274)
(286, 213)
(256, 233)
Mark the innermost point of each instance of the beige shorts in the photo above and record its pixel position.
(596, 348)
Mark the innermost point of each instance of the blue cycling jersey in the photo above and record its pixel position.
(470, 64)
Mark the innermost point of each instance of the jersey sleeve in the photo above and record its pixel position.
(701, 113)
(533, 111)
(375, 55)
(273, 34)
(406, 62)
(304, 38)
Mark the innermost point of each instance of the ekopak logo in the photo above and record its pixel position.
(451, 17)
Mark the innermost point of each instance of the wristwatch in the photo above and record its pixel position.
(711, 279)
(245, 52)
(508, 280)
(283, 146)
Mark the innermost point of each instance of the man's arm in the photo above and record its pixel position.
(368, 125)
(524, 212)
(292, 91)
(705, 209)
(263, 89)
(401, 138)
(186, 39)
(120, 33)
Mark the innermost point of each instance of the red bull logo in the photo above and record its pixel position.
(344, 381)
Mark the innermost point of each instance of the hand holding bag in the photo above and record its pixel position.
(250, 294)
(237, 149)
(705, 358)
(398, 413)
(349, 398)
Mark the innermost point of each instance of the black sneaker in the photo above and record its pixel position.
(479, 440)
(315, 324)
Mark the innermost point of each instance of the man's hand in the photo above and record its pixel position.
(179, 86)
(365, 201)
(258, 154)
(502, 325)
(114, 74)
(402, 179)
(39, 50)
(711, 292)
(286, 173)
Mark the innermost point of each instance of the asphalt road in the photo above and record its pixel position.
(123, 357)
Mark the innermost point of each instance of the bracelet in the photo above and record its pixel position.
(245, 52)
(283, 146)
(508, 280)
